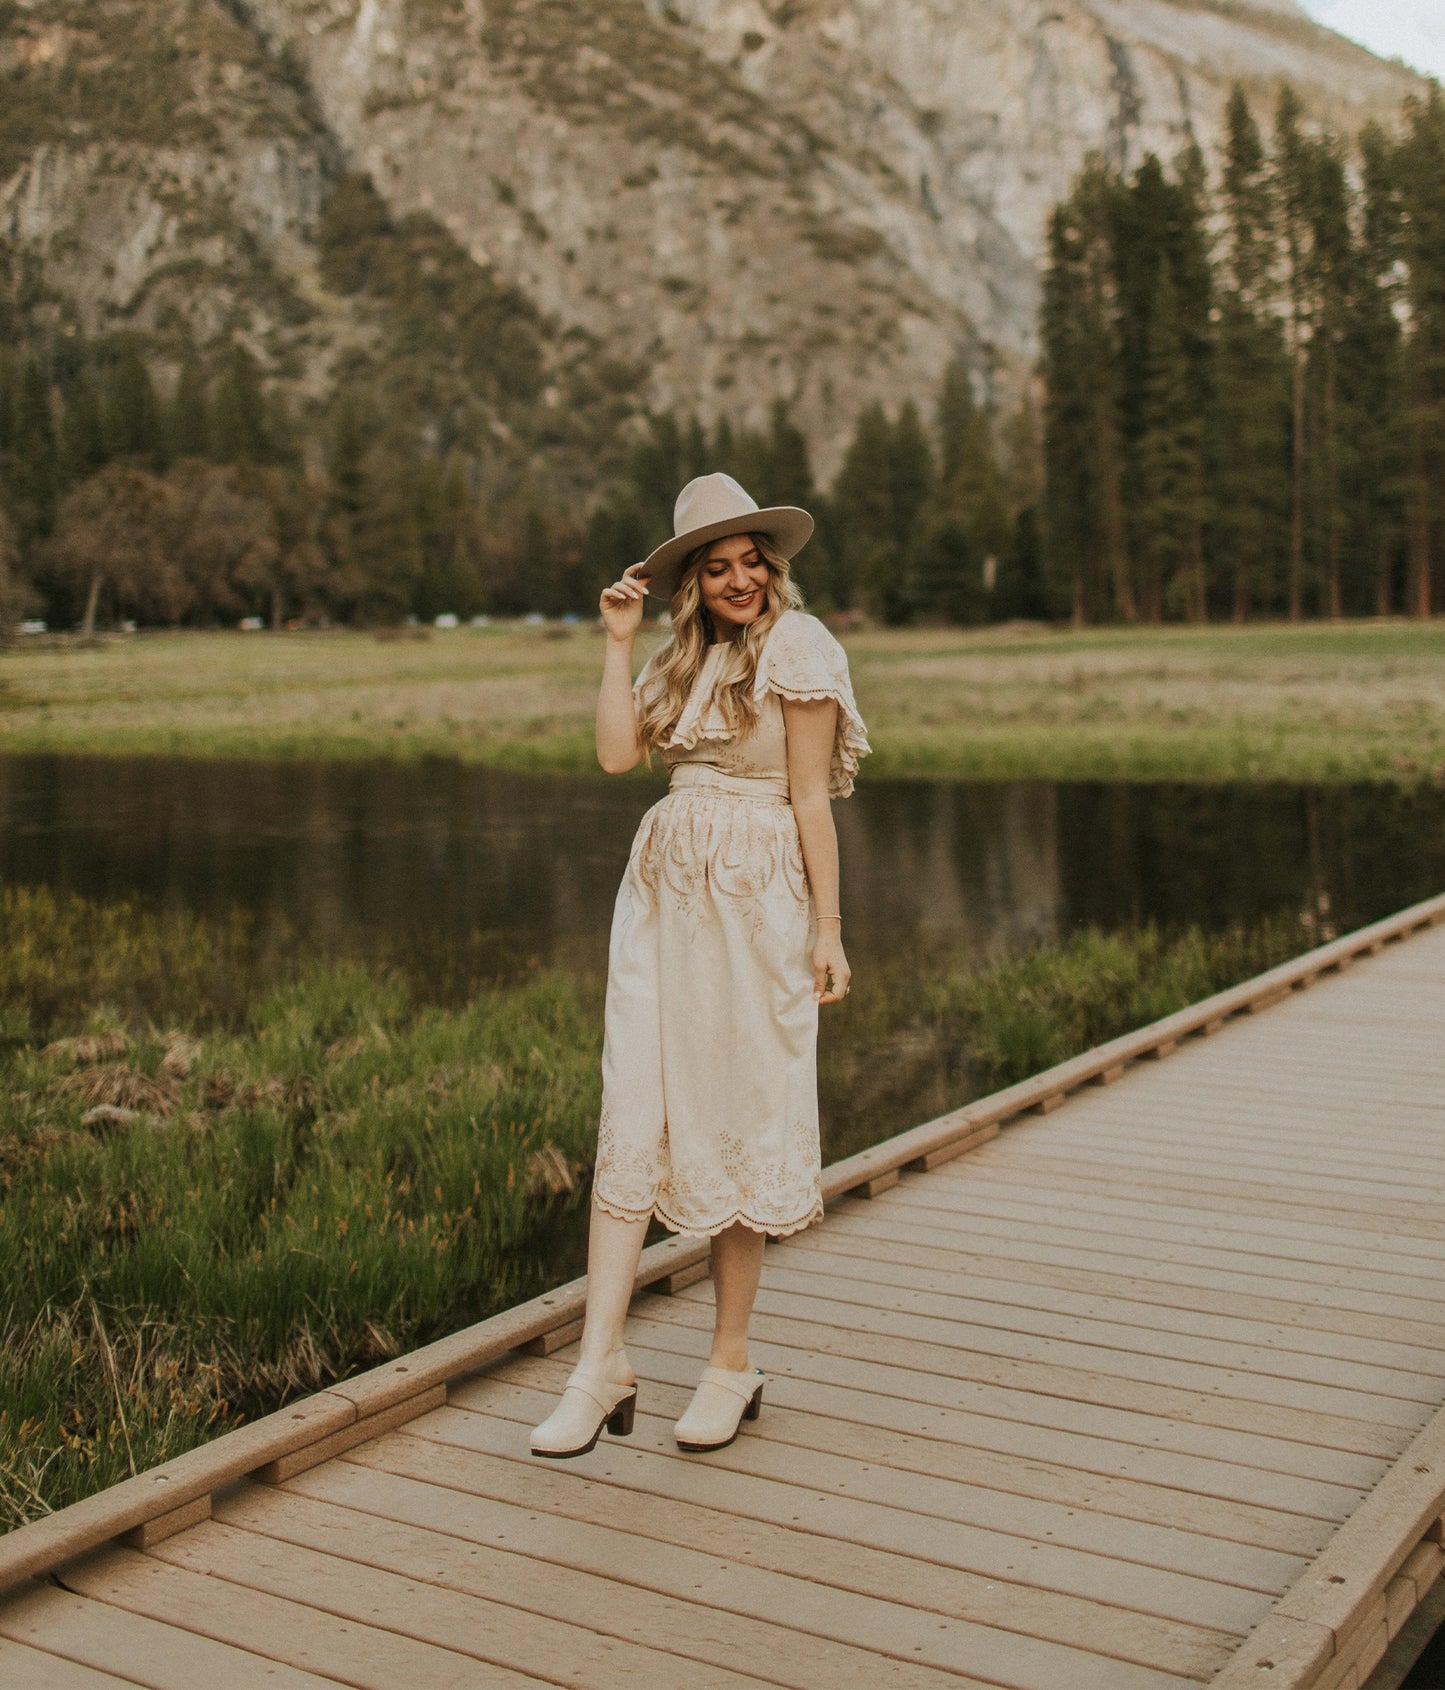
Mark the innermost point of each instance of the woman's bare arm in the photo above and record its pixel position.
(810, 726)
(618, 747)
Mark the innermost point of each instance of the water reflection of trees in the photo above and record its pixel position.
(459, 871)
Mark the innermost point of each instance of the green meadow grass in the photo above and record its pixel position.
(304, 1168)
(1313, 702)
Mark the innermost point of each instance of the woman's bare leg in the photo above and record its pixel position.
(737, 1265)
(613, 1247)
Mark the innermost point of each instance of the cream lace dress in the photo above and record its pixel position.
(709, 1078)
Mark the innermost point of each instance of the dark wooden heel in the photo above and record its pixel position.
(619, 1422)
(755, 1407)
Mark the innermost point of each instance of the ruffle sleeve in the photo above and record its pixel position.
(802, 661)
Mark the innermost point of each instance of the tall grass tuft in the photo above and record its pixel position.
(343, 1173)
(1024, 1014)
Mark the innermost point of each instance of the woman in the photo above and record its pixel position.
(725, 940)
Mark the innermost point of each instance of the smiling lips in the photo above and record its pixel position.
(747, 598)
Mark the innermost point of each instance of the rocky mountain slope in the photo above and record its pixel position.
(734, 200)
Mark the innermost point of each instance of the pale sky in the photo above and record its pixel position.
(1412, 30)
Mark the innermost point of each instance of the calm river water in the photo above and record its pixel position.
(455, 869)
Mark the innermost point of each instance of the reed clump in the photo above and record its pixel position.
(276, 1197)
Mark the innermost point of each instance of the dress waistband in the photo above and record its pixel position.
(763, 789)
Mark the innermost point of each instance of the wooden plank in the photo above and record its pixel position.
(1111, 1140)
(1182, 1283)
(1416, 1234)
(1280, 1651)
(235, 1636)
(864, 1589)
(1377, 1539)
(1359, 1255)
(1026, 1472)
(450, 1625)
(1127, 1153)
(24, 1668)
(991, 1297)
(137, 1648)
(1136, 1301)
(847, 1468)
(1402, 1248)
(606, 1579)
(1150, 1365)
(663, 1470)
(1084, 1319)
(1340, 1199)
(679, 1281)
(297, 1461)
(1303, 1505)
(1123, 1231)
(1074, 1385)
(550, 1342)
(167, 1525)
(48, 1542)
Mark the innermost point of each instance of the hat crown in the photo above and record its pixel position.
(708, 499)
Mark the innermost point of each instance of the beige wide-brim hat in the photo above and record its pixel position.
(710, 508)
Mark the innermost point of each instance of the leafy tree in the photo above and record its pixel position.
(118, 530)
(16, 596)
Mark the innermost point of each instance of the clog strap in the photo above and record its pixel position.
(741, 1383)
(605, 1392)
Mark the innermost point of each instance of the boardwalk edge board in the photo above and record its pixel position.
(1331, 1628)
(164, 1497)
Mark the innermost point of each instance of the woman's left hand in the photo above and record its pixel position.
(831, 972)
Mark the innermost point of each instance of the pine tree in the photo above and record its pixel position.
(188, 422)
(971, 488)
(238, 414)
(1374, 352)
(1251, 415)
(1294, 175)
(696, 453)
(1086, 540)
(910, 494)
(1168, 505)
(1422, 192)
(34, 459)
(132, 413)
(787, 477)
(1335, 287)
(864, 498)
(83, 446)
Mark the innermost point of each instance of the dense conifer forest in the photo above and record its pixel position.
(1240, 413)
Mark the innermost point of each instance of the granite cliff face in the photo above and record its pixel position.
(815, 199)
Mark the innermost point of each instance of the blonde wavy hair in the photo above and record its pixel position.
(677, 664)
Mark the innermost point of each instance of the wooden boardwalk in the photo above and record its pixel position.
(1142, 1393)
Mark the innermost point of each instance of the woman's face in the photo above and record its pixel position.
(733, 577)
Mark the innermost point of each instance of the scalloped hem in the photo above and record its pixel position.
(770, 1229)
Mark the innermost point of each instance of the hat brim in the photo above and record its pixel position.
(786, 527)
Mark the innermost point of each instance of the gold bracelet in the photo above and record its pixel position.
(837, 918)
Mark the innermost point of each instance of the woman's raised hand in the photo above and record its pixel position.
(621, 605)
